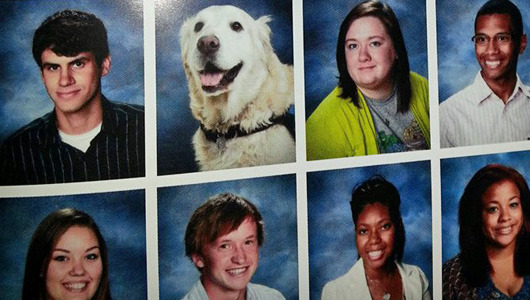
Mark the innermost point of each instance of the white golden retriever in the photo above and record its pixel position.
(239, 90)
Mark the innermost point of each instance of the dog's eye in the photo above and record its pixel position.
(236, 26)
(198, 26)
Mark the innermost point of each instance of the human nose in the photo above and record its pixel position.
(66, 77)
(504, 215)
(239, 256)
(78, 267)
(492, 46)
(364, 55)
(374, 237)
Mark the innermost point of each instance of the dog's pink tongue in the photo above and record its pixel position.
(211, 79)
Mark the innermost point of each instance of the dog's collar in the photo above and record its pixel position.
(235, 131)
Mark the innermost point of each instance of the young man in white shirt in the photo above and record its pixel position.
(495, 108)
(222, 239)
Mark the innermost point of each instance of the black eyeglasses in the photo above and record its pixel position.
(500, 38)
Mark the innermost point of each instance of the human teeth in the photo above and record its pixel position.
(76, 286)
(505, 230)
(236, 271)
(492, 63)
(375, 254)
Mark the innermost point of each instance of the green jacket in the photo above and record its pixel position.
(338, 128)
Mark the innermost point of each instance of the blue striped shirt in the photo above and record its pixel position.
(35, 153)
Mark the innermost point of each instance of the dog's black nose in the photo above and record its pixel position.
(208, 44)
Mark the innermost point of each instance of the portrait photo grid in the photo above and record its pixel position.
(309, 235)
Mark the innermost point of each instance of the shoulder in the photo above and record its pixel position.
(412, 271)
(258, 292)
(461, 98)
(420, 91)
(343, 287)
(37, 127)
(418, 80)
(127, 108)
(414, 280)
(197, 292)
(452, 268)
(331, 104)
(454, 285)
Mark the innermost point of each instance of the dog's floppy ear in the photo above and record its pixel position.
(185, 35)
(264, 33)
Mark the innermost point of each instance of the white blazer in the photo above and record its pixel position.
(353, 285)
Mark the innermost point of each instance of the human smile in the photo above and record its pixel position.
(237, 271)
(492, 63)
(504, 230)
(375, 255)
(67, 94)
(75, 287)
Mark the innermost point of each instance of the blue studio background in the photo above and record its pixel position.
(456, 173)
(456, 51)
(275, 198)
(322, 19)
(176, 124)
(120, 217)
(23, 97)
(332, 249)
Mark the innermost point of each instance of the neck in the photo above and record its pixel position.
(381, 93)
(502, 87)
(82, 120)
(215, 292)
(503, 273)
(384, 272)
(501, 258)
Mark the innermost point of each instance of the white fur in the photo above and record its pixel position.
(262, 89)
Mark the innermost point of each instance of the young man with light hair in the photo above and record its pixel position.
(223, 238)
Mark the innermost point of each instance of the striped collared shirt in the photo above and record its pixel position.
(35, 153)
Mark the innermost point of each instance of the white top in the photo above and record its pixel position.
(80, 141)
(476, 116)
(353, 285)
(254, 292)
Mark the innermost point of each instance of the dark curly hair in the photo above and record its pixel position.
(70, 32)
(378, 190)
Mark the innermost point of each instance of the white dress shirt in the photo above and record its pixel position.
(476, 116)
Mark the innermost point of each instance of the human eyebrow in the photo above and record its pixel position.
(82, 59)
(61, 250)
(92, 248)
(49, 66)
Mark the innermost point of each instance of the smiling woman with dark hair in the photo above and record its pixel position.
(380, 239)
(67, 258)
(379, 106)
(494, 238)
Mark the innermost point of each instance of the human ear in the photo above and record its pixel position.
(522, 45)
(197, 260)
(105, 65)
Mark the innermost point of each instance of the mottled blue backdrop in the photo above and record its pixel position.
(322, 19)
(120, 217)
(332, 249)
(23, 97)
(176, 124)
(457, 65)
(456, 173)
(275, 198)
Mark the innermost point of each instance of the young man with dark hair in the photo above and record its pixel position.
(495, 108)
(86, 137)
(222, 239)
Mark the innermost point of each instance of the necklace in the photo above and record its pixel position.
(378, 286)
